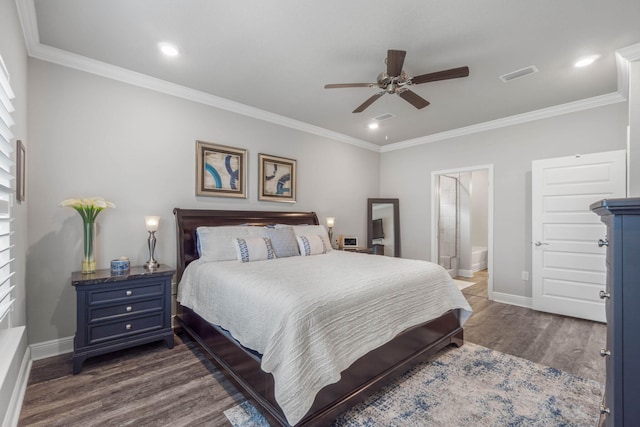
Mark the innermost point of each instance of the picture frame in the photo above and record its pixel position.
(276, 178)
(221, 171)
(20, 171)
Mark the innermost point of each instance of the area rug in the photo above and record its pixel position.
(461, 284)
(469, 386)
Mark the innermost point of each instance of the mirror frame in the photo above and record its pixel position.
(396, 223)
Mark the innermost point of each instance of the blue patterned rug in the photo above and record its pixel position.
(469, 386)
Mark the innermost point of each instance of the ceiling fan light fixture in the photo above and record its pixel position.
(395, 81)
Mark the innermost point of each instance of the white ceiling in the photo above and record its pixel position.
(277, 55)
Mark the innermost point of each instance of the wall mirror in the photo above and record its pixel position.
(383, 226)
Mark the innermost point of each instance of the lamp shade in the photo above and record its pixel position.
(330, 221)
(152, 222)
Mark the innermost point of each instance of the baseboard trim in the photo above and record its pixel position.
(42, 350)
(512, 299)
(17, 397)
(465, 273)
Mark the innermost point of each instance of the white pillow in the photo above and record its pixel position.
(253, 249)
(216, 243)
(311, 245)
(313, 230)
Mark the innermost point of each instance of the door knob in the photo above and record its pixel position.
(603, 242)
(540, 243)
(604, 295)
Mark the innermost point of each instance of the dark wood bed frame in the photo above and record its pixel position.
(242, 366)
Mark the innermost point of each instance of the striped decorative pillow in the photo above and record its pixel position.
(253, 249)
(311, 245)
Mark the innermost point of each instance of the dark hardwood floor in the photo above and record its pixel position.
(565, 343)
(153, 386)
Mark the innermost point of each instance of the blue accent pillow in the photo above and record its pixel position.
(283, 241)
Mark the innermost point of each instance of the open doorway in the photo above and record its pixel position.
(462, 222)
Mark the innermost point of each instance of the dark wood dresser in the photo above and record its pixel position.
(120, 311)
(621, 404)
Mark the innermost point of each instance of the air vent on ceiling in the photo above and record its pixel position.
(519, 73)
(384, 116)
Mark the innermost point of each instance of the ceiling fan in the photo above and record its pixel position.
(395, 80)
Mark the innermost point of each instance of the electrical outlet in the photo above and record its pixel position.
(525, 275)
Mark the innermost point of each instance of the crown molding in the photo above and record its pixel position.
(28, 19)
(623, 57)
(557, 110)
(29, 23)
(26, 11)
(82, 63)
(630, 53)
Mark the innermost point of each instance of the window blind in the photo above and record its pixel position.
(6, 193)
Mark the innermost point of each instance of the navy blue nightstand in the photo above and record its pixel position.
(121, 311)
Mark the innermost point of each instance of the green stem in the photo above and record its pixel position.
(88, 260)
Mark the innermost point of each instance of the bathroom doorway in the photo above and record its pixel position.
(462, 221)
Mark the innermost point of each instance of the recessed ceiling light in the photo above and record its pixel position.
(168, 49)
(373, 125)
(587, 60)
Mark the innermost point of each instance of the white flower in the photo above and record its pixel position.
(88, 208)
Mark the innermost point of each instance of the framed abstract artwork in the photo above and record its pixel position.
(221, 171)
(277, 179)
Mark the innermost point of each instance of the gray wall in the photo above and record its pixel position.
(406, 174)
(634, 130)
(14, 53)
(479, 208)
(135, 147)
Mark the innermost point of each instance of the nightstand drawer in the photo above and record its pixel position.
(128, 309)
(128, 292)
(114, 312)
(129, 326)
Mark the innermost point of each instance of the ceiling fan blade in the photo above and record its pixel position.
(413, 99)
(395, 61)
(453, 73)
(342, 85)
(368, 102)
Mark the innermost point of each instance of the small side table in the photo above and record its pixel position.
(121, 311)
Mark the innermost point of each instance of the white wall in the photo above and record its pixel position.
(135, 147)
(406, 174)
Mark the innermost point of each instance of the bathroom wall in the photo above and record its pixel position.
(480, 208)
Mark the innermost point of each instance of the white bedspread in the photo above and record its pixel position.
(312, 317)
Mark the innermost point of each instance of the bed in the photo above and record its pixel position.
(243, 366)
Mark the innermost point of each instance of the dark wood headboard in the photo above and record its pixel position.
(188, 220)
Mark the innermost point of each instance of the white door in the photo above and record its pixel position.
(568, 267)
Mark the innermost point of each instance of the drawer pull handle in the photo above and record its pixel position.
(604, 295)
(604, 409)
(604, 352)
(128, 327)
(129, 293)
(129, 308)
(603, 242)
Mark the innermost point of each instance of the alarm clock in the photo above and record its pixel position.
(349, 242)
